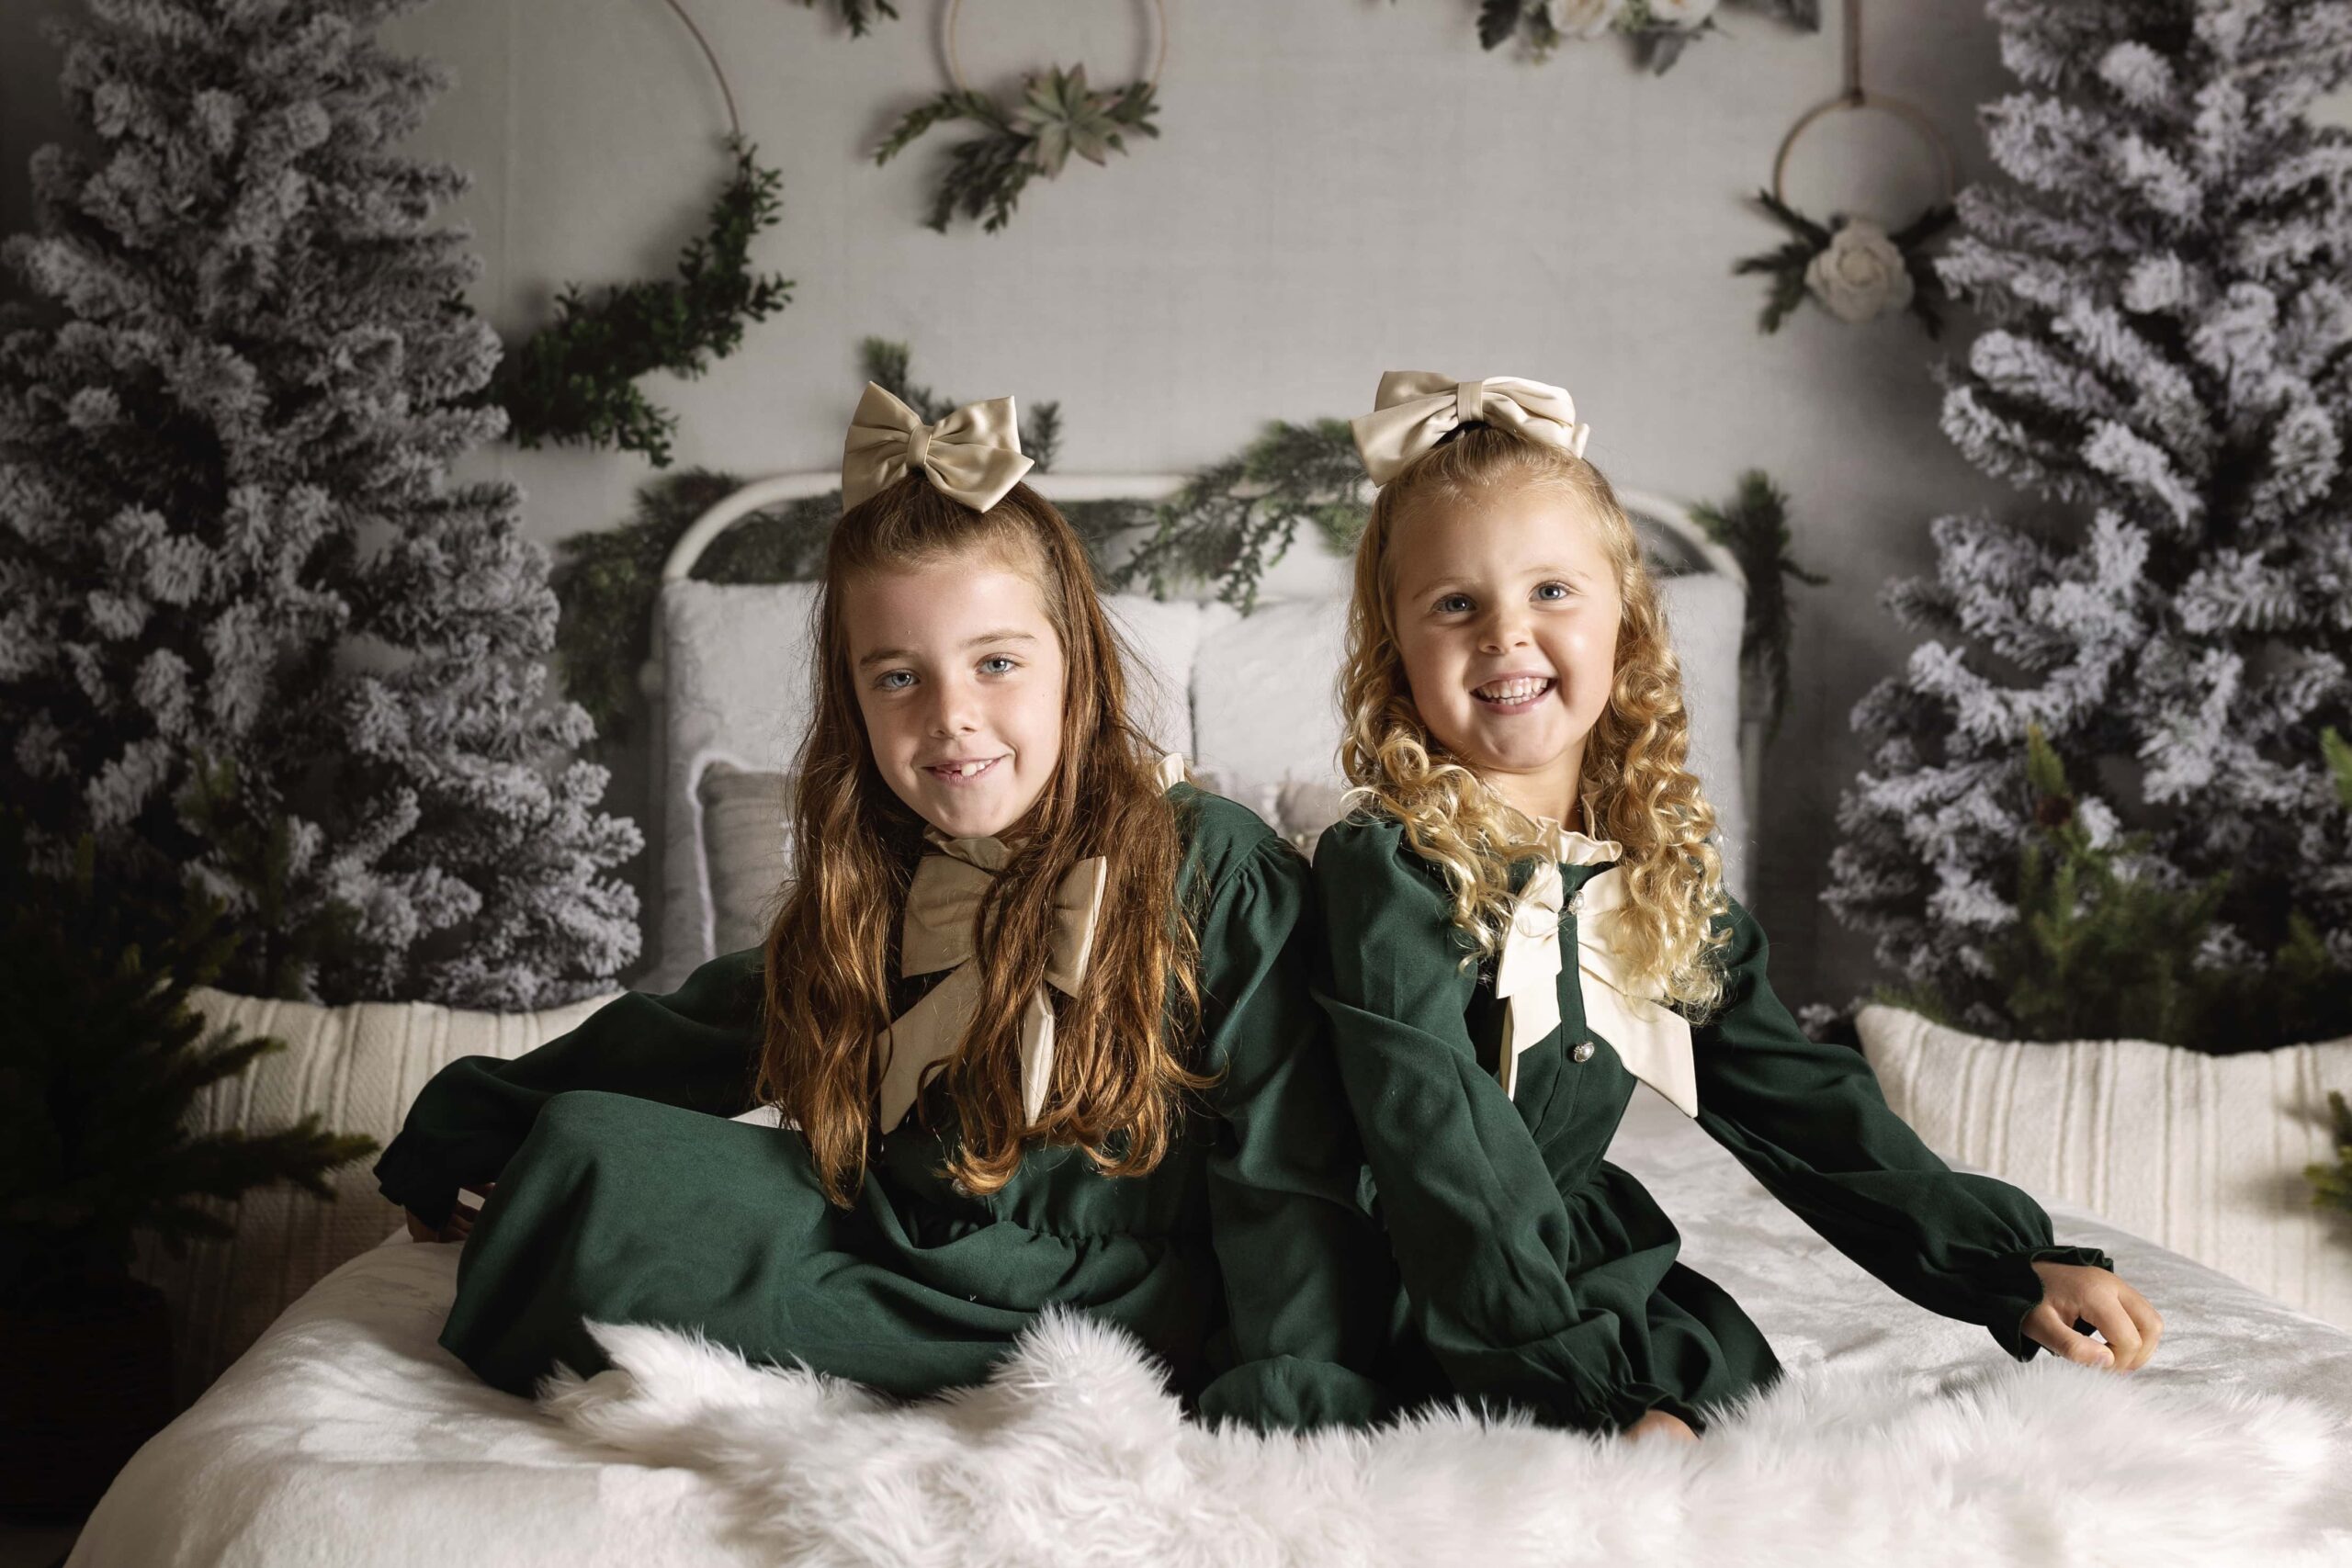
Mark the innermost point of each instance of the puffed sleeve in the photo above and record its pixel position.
(1810, 1122)
(696, 1046)
(1308, 1284)
(1481, 1235)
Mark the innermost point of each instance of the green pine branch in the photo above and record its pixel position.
(99, 1070)
(1237, 518)
(574, 383)
(860, 15)
(1753, 527)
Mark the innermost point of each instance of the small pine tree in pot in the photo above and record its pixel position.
(100, 1060)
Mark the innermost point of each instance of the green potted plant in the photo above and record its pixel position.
(100, 1062)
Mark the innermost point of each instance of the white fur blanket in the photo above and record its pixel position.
(1076, 1454)
(347, 1439)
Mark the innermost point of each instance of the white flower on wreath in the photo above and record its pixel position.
(1683, 14)
(1588, 18)
(1860, 274)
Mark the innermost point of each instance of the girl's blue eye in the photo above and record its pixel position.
(1453, 604)
(998, 664)
(1552, 590)
(895, 680)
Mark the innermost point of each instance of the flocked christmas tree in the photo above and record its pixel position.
(2166, 366)
(253, 634)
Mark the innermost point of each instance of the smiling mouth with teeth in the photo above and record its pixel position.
(958, 772)
(1517, 692)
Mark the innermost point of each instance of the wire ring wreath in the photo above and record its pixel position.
(1058, 114)
(954, 17)
(1852, 267)
(574, 381)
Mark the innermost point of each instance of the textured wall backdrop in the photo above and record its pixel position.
(1343, 186)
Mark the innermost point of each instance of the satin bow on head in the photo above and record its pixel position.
(1651, 1039)
(1414, 409)
(939, 932)
(973, 455)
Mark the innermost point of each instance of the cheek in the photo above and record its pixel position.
(885, 727)
(1427, 660)
(1039, 721)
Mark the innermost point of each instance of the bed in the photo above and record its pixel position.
(347, 1436)
(347, 1439)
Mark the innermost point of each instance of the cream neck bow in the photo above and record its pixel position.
(938, 932)
(1414, 409)
(1651, 1039)
(973, 455)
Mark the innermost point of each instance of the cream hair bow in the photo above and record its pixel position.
(938, 932)
(1414, 410)
(1651, 1039)
(973, 455)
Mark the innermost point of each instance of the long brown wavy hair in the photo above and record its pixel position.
(1118, 1079)
(1634, 783)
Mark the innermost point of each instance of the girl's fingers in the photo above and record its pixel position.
(2149, 1322)
(2046, 1328)
(2107, 1314)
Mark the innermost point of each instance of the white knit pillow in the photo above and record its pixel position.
(2203, 1153)
(358, 1067)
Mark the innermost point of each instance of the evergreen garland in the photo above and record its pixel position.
(859, 14)
(1659, 29)
(1239, 517)
(1057, 115)
(1753, 527)
(99, 1065)
(574, 382)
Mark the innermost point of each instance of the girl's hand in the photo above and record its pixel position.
(2121, 1314)
(461, 1219)
(1661, 1423)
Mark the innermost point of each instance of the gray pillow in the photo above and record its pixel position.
(747, 844)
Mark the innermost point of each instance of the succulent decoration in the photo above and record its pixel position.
(1853, 268)
(1660, 29)
(1057, 115)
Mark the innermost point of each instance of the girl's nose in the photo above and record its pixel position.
(1502, 631)
(955, 711)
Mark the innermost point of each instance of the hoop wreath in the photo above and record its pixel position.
(574, 381)
(1056, 114)
(1852, 267)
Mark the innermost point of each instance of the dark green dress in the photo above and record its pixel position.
(1539, 1275)
(625, 1194)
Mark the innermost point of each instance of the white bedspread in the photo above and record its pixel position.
(347, 1439)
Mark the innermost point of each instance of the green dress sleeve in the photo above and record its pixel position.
(1308, 1282)
(1810, 1122)
(1480, 1232)
(696, 1046)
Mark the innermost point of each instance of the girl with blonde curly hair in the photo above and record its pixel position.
(1527, 916)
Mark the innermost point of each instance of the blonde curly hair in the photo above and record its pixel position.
(1634, 784)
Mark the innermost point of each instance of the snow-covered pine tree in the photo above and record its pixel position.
(252, 636)
(2167, 365)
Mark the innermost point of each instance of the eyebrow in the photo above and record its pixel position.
(1449, 580)
(1007, 634)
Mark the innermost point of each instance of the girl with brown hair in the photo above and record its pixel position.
(1527, 918)
(1033, 1019)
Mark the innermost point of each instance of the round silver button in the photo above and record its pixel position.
(1583, 1052)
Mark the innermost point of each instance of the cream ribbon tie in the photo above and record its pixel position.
(939, 932)
(1415, 409)
(1629, 1011)
(973, 455)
